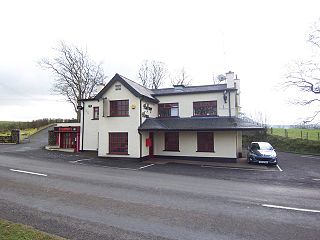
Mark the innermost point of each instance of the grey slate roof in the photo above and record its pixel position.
(197, 123)
(135, 88)
(190, 90)
(151, 94)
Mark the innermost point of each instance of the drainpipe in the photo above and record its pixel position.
(82, 127)
(140, 135)
(229, 103)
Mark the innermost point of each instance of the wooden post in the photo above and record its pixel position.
(271, 131)
(301, 133)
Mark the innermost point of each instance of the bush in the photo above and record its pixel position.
(284, 144)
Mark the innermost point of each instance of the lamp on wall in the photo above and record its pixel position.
(225, 96)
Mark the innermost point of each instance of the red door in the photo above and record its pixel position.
(151, 145)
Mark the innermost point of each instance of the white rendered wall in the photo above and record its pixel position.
(224, 145)
(90, 136)
(186, 102)
(120, 124)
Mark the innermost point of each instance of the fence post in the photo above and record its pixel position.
(271, 131)
(318, 136)
(301, 133)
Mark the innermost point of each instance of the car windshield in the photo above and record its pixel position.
(262, 146)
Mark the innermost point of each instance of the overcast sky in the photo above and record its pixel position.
(255, 39)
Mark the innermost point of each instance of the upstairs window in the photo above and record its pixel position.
(205, 142)
(171, 141)
(119, 108)
(95, 113)
(168, 110)
(205, 108)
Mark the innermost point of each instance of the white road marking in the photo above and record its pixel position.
(33, 173)
(80, 160)
(146, 166)
(279, 168)
(310, 156)
(291, 208)
(96, 165)
(237, 168)
(316, 179)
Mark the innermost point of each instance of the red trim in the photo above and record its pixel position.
(118, 143)
(95, 113)
(205, 142)
(205, 108)
(119, 108)
(164, 109)
(171, 141)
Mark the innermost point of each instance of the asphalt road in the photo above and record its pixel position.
(94, 201)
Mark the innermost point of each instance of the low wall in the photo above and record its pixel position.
(5, 139)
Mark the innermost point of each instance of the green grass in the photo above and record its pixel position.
(23, 133)
(13, 231)
(309, 134)
(284, 144)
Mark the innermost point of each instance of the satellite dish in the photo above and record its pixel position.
(221, 77)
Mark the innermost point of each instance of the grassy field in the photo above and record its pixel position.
(23, 133)
(296, 133)
(13, 231)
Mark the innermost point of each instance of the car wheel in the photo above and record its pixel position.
(249, 161)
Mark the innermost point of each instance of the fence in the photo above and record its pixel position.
(309, 134)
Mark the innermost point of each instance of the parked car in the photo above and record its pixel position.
(262, 152)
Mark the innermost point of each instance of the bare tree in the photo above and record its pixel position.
(152, 74)
(181, 78)
(76, 76)
(304, 76)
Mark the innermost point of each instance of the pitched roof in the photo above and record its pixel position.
(151, 94)
(190, 89)
(197, 123)
(135, 88)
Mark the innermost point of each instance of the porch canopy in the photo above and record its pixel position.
(198, 124)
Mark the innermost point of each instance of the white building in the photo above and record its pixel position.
(128, 120)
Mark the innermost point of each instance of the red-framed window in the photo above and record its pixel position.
(95, 113)
(205, 142)
(205, 108)
(119, 108)
(118, 143)
(171, 141)
(168, 110)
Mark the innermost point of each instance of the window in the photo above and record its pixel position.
(119, 108)
(118, 143)
(205, 142)
(171, 141)
(95, 113)
(168, 110)
(205, 108)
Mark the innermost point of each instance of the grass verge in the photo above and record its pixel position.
(14, 231)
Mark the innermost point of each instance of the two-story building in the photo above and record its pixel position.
(128, 120)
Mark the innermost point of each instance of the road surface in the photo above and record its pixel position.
(76, 201)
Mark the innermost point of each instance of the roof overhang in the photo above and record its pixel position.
(198, 124)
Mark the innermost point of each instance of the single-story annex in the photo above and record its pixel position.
(127, 120)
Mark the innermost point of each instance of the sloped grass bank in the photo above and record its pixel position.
(283, 144)
(13, 231)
